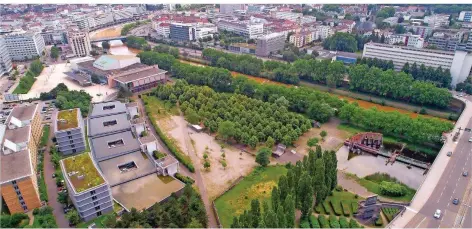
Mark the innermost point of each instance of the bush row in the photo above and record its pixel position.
(185, 179)
(390, 213)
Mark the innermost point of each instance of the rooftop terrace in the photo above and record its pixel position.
(81, 172)
(67, 119)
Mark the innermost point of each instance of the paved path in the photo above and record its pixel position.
(51, 184)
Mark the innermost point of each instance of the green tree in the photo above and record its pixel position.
(269, 142)
(312, 142)
(73, 217)
(63, 198)
(262, 157)
(194, 224)
(36, 67)
(253, 142)
(226, 130)
(289, 207)
(54, 52)
(105, 45)
(319, 184)
(305, 191)
(323, 134)
(206, 165)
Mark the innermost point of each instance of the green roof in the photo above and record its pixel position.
(82, 172)
(67, 119)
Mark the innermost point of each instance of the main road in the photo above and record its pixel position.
(444, 183)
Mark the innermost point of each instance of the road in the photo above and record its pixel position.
(445, 182)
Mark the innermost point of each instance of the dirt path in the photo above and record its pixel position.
(51, 185)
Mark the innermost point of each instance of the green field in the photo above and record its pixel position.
(257, 185)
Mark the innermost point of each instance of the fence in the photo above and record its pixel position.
(213, 202)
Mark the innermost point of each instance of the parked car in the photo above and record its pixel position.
(449, 153)
(54, 175)
(470, 139)
(465, 173)
(437, 214)
(455, 201)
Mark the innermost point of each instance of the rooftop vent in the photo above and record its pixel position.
(81, 177)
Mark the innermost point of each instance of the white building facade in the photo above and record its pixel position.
(5, 59)
(23, 45)
(79, 41)
(247, 29)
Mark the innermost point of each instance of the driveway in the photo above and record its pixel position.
(51, 184)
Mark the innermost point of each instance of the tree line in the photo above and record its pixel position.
(379, 63)
(397, 85)
(306, 184)
(438, 76)
(317, 105)
(245, 64)
(234, 116)
(341, 42)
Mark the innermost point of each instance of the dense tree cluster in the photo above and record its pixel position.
(13, 221)
(246, 64)
(324, 72)
(341, 42)
(185, 211)
(438, 76)
(386, 12)
(163, 60)
(54, 52)
(217, 78)
(379, 63)
(250, 120)
(397, 85)
(417, 130)
(451, 9)
(53, 93)
(306, 184)
(74, 99)
(167, 49)
(465, 86)
(137, 43)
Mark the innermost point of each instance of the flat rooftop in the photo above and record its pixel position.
(15, 165)
(108, 124)
(18, 135)
(146, 191)
(114, 175)
(67, 119)
(89, 66)
(24, 112)
(81, 172)
(153, 74)
(107, 108)
(103, 147)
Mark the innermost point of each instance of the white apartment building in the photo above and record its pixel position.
(104, 18)
(437, 20)
(5, 59)
(298, 40)
(247, 29)
(308, 19)
(459, 62)
(415, 41)
(23, 45)
(324, 31)
(85, 22)
(79, 41)
(122, 15)
(230, 8)
(287, 15)
(162, 29)
(409, 40)
(396, 39)
(465, 16)
(204, 31)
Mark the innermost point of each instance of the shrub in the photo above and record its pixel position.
(339, 188)
(318, 208)
(323, 221)
(354, 206)
(25, 84)
(343, 222)
(379, 222)
(314, 222)
(158, 155)
(346, 208)
(185, 179)
(353, 223)
(333, 222)
(392, 189)
(326, 207)
(304, 223)
(390, 213)
(336, 207)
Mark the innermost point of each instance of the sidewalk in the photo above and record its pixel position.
(434, 174)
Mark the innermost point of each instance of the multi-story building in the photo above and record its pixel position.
(270, 43)
(204, 31)
(459, 63)
(181, 32)
(122, 15)
(451, 41)
(18, 159)
(79, 41)
(247, 29)
(437, 20)
(5, 60)
(104, 19)
(408, 39)
(423, 31)
(230, 8)
(298, 40)
(162, 29)
(69, 131)
(465, 16)
(85, 22)
(54, 37)
(287, 15)
(23, 45)
(325, 31)
(88, 190)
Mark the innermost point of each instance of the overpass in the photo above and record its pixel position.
(122, 38)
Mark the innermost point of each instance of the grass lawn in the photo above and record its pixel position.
(87, 147)
(98, 222)
(158, 107)
(372, 184)
(257, 185)
(45, 136)
(43, 189)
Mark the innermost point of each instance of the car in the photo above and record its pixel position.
(470, 139)
(465, 173)
(449, 153)
(455, 201)
(437, 214)
(53, 175)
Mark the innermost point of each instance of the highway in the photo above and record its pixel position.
(450, 185)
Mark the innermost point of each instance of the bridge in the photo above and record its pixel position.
(122, 38)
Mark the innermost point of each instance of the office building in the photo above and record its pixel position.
(287, 15)
(247, 29)
(85, 22)
(88, 190)
(162, 29)
(5, 60)
(24, 45)
(18, 159)
(270, 44)
(423, 31)
(55, 37)
(204, 31)
(69, 131)
(437, 20)
(181, 32)
(465, 16)
(459, 63)
(79, 42)
(230, 8)
(122, 15)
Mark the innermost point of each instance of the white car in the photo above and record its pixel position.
(437, 214)
(470, 139)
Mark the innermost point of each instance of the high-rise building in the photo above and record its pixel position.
(247, 29)
(270, 43)
(79, 41)
(181, 32)
(69, 131)
(465, 16)
(459, 62)
(230, 8)
(18, 159)
(23, 45)
(5, 59)
(52, 37)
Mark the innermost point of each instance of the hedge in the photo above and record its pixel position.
(390, 213)
(392, 189)
(26, 82)
(326, 207)
(345, 207)
(336, 207)
(304, 223)
(314, 222)
(318, 208)
(343, 222)
(184, 159)
(379, 221)
(333, 221)
(353, 223)
(185, 179)
(355, 206)
(323, 221)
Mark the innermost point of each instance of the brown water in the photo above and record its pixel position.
(123, 50)
(114, 31)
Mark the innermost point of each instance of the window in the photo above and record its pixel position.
(116, 143)
(95, 202)
(71, 141)
(13, 182)
(92, 192)
(68, 132)
(20, 198)
(18, 193)
(25, 208)
(99, 213)
(127, 166)
(16, 187)
(74, 150)
(97, 208)
(22, 203)
(94, 197)
(110, 107)
(73, 146)
(110, 123)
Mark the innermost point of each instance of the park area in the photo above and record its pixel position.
(257, 185)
